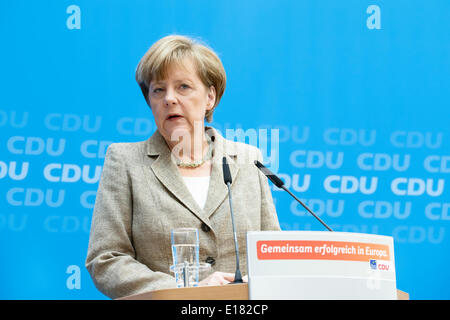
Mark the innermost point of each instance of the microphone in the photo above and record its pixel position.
(280, 184)
(227, 179)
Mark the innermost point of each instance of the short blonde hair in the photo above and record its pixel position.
(174, 49)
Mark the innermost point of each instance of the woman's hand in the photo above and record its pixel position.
(219, 278)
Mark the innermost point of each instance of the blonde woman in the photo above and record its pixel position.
(174, 179)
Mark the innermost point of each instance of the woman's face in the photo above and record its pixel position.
(180, 101)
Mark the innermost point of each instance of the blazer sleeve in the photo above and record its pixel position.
(269, 218)
(111, 257)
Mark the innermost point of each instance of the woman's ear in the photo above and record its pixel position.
(211, 98)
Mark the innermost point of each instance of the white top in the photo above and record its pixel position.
(198, 186)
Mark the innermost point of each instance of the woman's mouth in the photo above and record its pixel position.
(173, 117)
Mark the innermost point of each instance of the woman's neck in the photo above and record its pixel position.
(190, 148)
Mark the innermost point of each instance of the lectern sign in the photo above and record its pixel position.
(321, 250)
(320, 265)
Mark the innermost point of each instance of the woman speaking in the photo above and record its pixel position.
(174, 179)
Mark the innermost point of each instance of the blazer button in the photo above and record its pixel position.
(205, 227)
(210, 260)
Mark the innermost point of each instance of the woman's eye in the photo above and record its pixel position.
(157, 90)
(184, 86)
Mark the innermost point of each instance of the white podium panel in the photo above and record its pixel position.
(296, 265)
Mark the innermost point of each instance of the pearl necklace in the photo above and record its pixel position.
(196, 164)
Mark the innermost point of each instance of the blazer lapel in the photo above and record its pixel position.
(218, 191)
(167, 173)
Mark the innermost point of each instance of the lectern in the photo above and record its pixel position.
(227, 292)
(320, 265)
(298, 265)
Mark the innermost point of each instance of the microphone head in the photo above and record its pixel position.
(226, 171)
(269, 174)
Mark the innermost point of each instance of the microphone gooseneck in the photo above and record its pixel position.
(227, 179)
(280, 184)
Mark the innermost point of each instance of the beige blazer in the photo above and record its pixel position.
(142, 196)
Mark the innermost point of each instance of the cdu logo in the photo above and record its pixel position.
(373, 264)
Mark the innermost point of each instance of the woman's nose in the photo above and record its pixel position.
(170, 97)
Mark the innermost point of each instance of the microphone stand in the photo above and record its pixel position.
(280, 184)
(304, 206)
(227, 180)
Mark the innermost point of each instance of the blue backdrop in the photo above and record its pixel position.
(356, 91)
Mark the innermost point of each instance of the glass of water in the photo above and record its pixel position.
(197, 273)
(185, 246)
(185, 252)
(190, 275)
